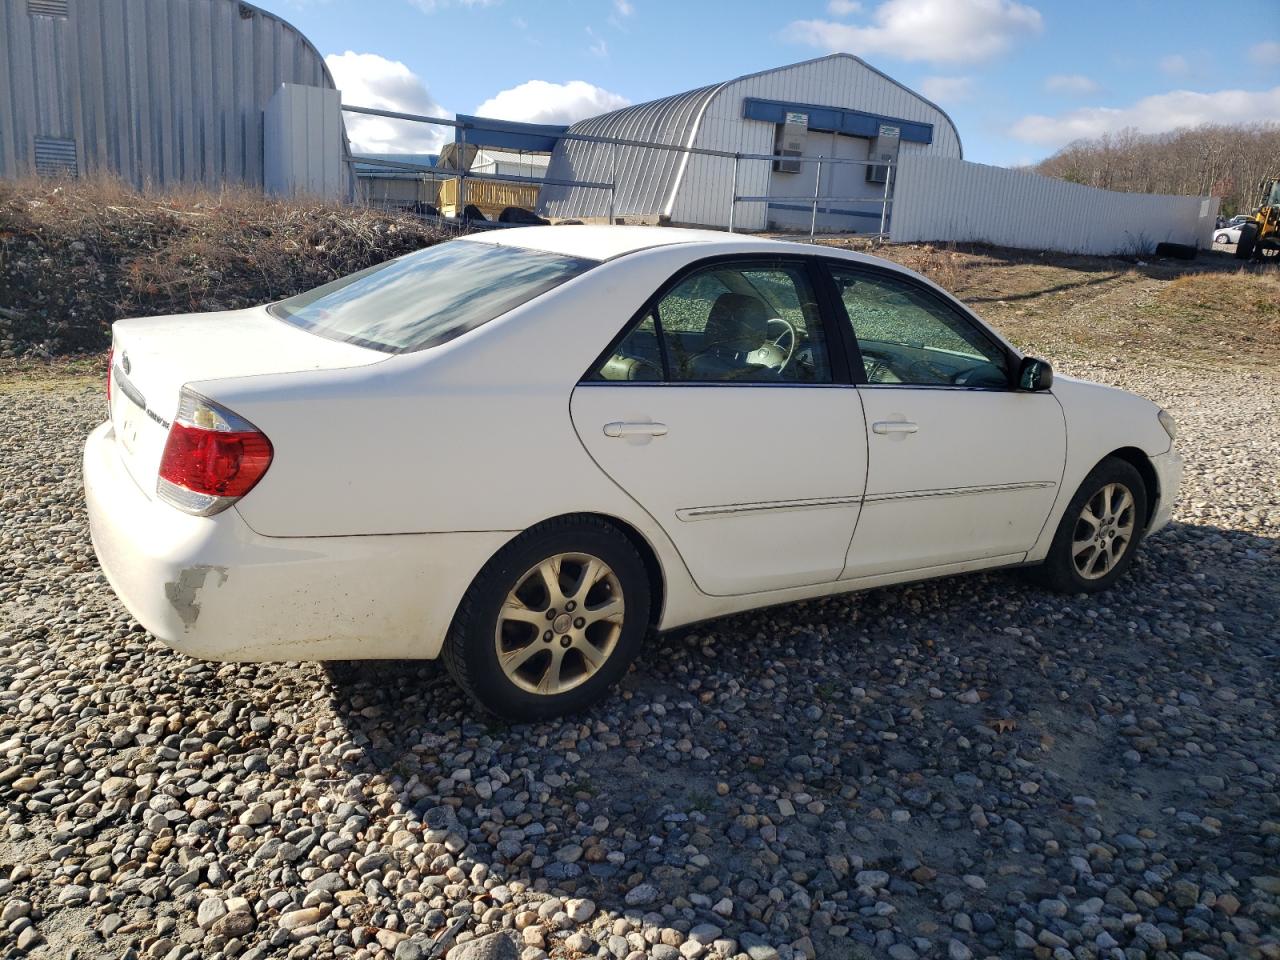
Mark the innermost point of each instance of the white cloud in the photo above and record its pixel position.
(537, 101)
(1175, 65)
(1071, 84)
(946, 90)
(1156, 114)
(368, 80)
(596, 45)
(623, 8)
(843, 8)
(1266, 53)
(938, 31)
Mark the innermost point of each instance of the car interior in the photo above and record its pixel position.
(761, 325)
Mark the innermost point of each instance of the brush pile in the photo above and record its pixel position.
(77, 255)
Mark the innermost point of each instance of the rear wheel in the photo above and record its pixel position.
(1098, 533)
(552, 621)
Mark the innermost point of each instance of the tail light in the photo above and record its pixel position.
(111, 359)
(212, 457)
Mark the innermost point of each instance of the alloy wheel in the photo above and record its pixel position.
(1104, 531)
(560, 623)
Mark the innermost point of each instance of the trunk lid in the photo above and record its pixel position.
(154, 357)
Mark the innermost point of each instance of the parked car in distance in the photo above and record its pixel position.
(523, 451)
(1228, 234)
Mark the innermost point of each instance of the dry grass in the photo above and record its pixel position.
(1205, 313)
(75, 256)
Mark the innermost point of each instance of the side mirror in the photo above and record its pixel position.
(1035, 375)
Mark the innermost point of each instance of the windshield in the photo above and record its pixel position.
(427, 298)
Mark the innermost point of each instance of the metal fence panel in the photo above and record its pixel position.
(945, 199)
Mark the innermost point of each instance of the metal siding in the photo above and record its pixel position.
(158, 91)
(697, 189)
(839, 77)
(948, 199)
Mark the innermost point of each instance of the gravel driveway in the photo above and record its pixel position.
(963, 768)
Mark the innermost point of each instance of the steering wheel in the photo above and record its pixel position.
(877, 364)
(772, 353)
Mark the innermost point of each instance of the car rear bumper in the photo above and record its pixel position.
(1168, 468)
(211, 587)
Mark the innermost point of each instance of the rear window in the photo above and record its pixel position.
(426, 298)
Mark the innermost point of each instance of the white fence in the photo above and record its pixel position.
(940, 198)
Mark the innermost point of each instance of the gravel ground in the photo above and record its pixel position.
(963, 768)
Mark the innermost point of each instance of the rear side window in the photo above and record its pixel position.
(427, 298)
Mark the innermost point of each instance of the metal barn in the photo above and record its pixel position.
(156, 91)
(836, 106)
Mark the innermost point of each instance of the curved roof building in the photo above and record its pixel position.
(834, 106)
(156, 91)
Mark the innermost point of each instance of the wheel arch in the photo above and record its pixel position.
(1138, 459)
(648, 555)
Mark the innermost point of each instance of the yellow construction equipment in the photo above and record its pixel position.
(1260, 237)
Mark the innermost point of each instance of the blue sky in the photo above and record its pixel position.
(1019, 77)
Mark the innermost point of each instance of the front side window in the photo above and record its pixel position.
(908, 336)
(429, 297)
(741, 323)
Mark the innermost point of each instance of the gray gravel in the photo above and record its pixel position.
(964, 768)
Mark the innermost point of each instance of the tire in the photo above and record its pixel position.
(1176, 251)
(553, 677)
(1222, 238)
(1248, 240)
(1062, 568)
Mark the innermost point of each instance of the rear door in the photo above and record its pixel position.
(961, 466)
(721, 413)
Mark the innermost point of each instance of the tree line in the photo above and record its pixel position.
(1211, 160)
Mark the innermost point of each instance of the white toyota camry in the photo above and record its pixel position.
(525, 450)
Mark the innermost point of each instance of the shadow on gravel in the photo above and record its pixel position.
(960, 747)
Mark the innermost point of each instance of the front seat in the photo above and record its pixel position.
(737, 325)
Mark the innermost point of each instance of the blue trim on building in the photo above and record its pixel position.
(853, 123)
(509, 134)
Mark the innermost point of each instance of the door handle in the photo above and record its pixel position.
(621, 429)
(883, 427)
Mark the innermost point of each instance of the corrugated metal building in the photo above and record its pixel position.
(834, 106)
(156, 91)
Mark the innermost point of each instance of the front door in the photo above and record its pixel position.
(961, 466)
(718, 412)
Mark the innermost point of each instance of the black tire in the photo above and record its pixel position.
(471, 648)
(1248, 240)
(1059, 570)
(1222, 238)
(1176, 251)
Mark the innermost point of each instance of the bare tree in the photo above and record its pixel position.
(1216, 160)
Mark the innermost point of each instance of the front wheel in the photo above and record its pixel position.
(552, 621)
(1099, 532)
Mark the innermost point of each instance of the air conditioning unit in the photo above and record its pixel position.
(789, 142)
(884, 151)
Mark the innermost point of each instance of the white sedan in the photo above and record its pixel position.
(1228, 234)
(525, 450)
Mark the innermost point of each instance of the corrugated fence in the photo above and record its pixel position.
(940, 198)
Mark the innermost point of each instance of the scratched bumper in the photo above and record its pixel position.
(212, 588)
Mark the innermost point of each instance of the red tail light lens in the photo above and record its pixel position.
(212, 457)
(111, 359)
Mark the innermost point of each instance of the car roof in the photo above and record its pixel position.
(605, 242)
